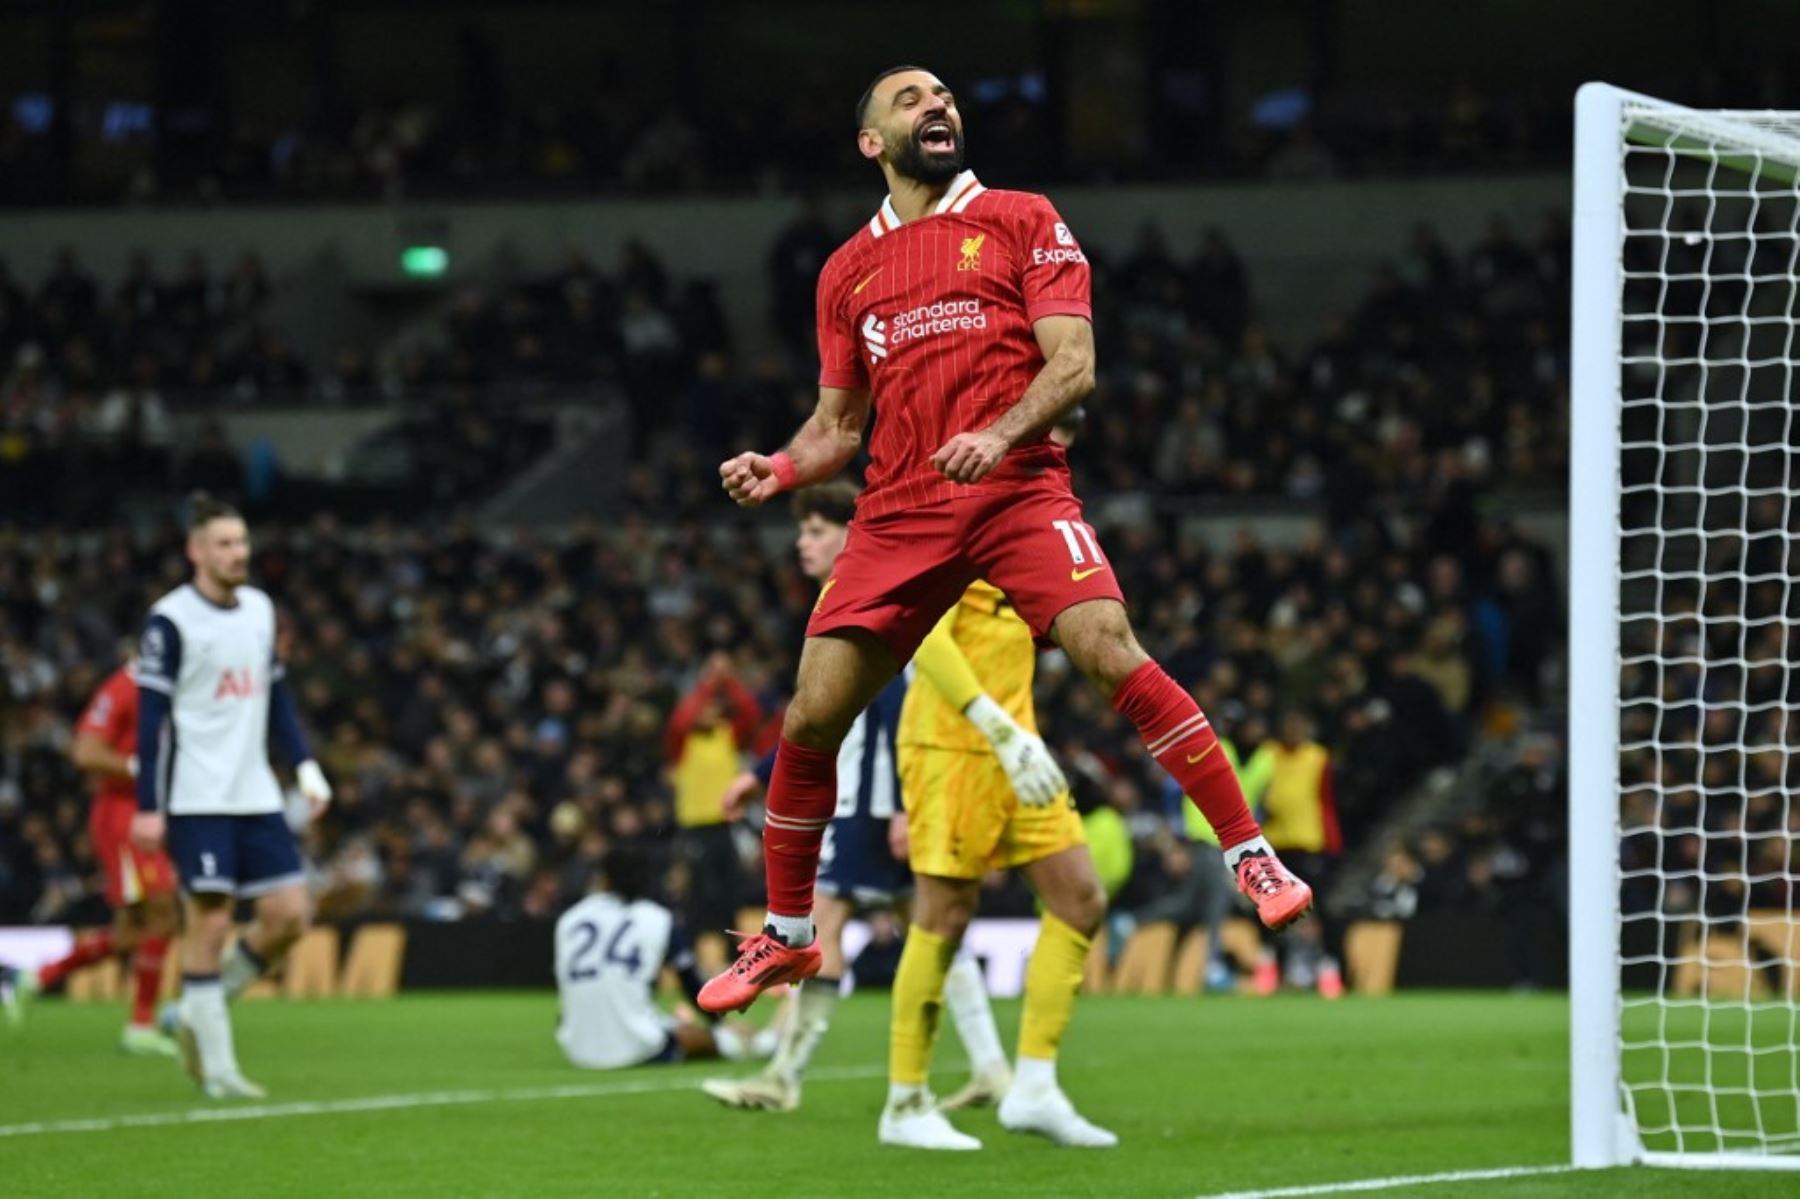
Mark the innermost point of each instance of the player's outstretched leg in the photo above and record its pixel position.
(840, 673)
(777, 1087)
(1035, 1103)
(965, 994)
(1097, 637)
(24, 986)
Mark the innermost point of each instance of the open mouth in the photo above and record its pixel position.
(936, 134)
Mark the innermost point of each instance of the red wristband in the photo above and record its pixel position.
(787, 475)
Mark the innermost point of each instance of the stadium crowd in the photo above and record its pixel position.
(494, 709)
(495, 138)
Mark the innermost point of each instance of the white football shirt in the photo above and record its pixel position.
(216, 664)
(608, 956)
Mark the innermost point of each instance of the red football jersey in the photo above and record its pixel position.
(112, 716)
(934, 316)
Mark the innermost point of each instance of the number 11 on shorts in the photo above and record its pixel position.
(1069, 529)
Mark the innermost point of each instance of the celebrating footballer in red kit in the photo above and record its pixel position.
(959, 315)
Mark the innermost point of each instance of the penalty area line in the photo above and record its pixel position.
(1388, 1184)
(223, 1114)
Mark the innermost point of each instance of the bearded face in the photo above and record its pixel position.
(931, 151)
(920, 128)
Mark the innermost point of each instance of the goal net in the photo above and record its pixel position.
(1685, 635)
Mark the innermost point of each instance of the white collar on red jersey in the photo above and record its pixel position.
(964, 188)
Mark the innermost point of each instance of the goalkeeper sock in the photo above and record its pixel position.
(203, 1012)
(802, 798)
(1182, 740)
(918, 1005)
(965, 993)
(800, 1039)
(1052, 978)
(242, 966)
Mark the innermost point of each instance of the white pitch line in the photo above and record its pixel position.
(1386, 1184)
(381, 1103)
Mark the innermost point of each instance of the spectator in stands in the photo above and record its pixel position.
(1293, 793)
(707, 736)
(799, 252)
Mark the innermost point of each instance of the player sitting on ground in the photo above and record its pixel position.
(965, 817)
(610, 950)
(211, 694)
(140, 886)
(961, 316)
(862, 863)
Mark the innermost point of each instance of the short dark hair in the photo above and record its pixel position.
(203, 509)
(862, 105)
(834, 501)
(627, 872)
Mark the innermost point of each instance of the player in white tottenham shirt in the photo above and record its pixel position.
(210, 696)
(610, 950)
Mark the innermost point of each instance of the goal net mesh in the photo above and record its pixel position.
(1709, 716)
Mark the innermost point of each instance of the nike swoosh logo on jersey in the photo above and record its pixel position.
(857, 290)
(1078, 575)
(1201, 756)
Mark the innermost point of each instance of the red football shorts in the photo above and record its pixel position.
(132, 875)
(900, 572)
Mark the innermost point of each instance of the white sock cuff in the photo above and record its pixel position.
(797, 931)
(1036, 1073)
(1256, 844)
(900, 1092)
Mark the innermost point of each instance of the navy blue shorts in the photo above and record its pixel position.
(855, 864)
(235, 855)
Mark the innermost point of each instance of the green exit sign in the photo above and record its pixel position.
(424, 262)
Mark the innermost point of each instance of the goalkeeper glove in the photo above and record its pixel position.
(1030, 769)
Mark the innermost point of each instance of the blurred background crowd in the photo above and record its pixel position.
(496, 705)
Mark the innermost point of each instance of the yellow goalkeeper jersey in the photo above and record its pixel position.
(997, 643)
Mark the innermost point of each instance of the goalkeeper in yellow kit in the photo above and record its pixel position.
(982, 794)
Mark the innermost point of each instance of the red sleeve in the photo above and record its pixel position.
(840, 353)
(101, 717)
(1328, 814)
(746, 713)
(1054, 274)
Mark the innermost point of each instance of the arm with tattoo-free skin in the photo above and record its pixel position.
(824, 446)
(1065, 380)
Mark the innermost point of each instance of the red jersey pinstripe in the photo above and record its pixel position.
(935, 317)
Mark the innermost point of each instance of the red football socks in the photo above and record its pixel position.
(95, 947)
(802, 798)
(1180, 737)
(146, 979)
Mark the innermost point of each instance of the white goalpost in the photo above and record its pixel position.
(1684, 636)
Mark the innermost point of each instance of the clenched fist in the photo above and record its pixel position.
(749, 479)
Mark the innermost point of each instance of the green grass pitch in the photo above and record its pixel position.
(467, 1095)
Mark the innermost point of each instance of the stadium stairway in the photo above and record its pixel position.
(582, 474)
